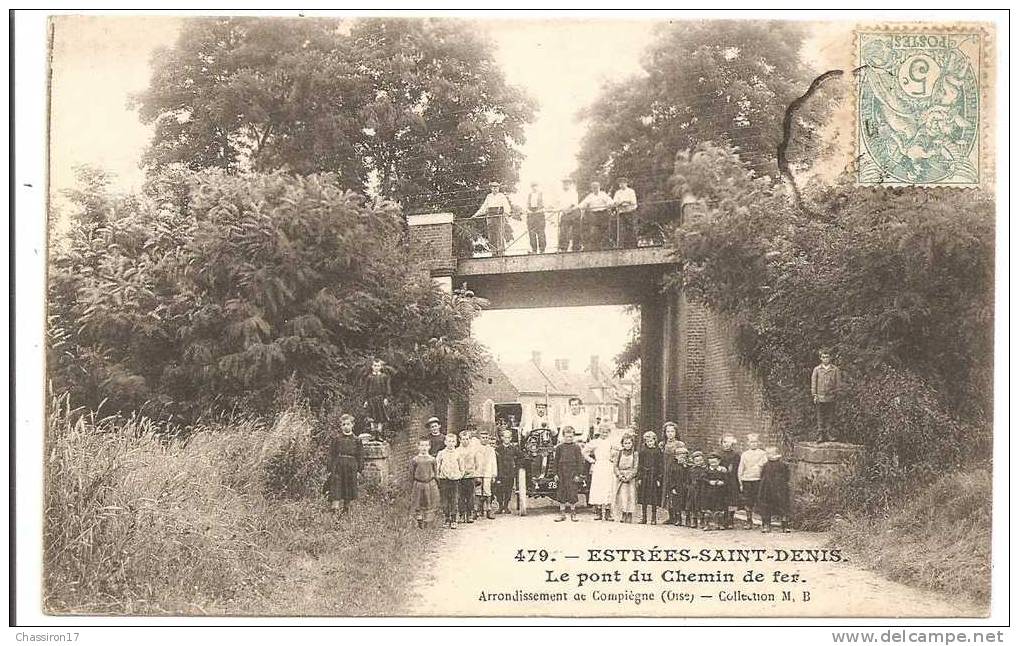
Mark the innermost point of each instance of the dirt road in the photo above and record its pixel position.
(476, 572)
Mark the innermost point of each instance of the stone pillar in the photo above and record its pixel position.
(824, 461)
(672, 366)
(376, 463)
(652, 385)
(430, 238)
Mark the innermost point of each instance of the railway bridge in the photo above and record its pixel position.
(689, 371)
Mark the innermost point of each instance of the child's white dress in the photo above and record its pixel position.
(603, 478)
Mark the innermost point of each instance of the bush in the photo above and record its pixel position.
(210, 290)
(897, 282)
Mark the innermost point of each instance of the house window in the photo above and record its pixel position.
(489, 381)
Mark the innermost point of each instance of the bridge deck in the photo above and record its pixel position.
(568, 261)
(609, 277)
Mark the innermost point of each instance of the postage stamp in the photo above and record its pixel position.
(919, 108)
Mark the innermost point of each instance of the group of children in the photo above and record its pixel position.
(467, 475)
(470, 477)
(697, 489)
(707, 490)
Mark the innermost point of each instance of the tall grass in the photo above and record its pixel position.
(225, 519)
(136, 518)
(936, 536)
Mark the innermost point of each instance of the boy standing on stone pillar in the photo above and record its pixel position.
(825, 384)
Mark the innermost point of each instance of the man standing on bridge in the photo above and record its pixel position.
(570, 223)
(625, 201)
(596, 212)
(536, 219)
(495, 208)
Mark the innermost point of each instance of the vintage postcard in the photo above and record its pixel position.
(520, 316)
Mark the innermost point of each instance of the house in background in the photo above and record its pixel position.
(553, 383)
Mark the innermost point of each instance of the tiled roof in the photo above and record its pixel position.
(528, 378)
(531, 378)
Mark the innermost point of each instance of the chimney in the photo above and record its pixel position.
(594, 365)
(536, 357)
(562, 365)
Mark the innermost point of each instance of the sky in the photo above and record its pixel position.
(99, 61)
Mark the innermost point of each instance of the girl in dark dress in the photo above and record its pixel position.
(677, 477)
(730, 460)
(773, 492)
(670, 444)
(649, 473)
(345, 462)
(377, 395)
(569, 466)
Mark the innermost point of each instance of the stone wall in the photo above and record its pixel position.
(709, 393)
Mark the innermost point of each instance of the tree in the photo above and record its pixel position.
(415, 110)
(726, 82)
(257, 279)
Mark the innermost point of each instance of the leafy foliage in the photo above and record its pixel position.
(415, 110)
(898, 282)
(213, 289)
(726, 82)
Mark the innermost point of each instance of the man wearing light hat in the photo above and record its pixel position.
(494, 209)
(625, 201)
(436, 438)
(596, 211)
(570, 222)
(536, 219)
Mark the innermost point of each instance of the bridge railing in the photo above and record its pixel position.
(554, 231)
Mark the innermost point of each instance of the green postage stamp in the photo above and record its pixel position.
(919, 107)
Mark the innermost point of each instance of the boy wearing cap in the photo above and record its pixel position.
(469, 466)
(693, 489)
(750, 464)
(714, 493)
(509, 458)
(569, 465)
(487, 470)
(676, 474)
(436, 439)
(825, 384)
(773, 493)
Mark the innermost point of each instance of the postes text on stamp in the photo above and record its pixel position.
(918, 108)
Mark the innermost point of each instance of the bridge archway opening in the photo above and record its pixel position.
(547, 356)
